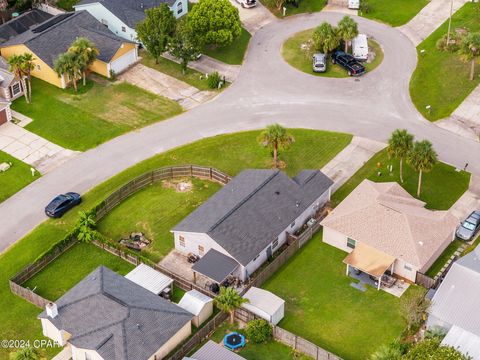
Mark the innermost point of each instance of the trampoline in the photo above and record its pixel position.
(234, 341)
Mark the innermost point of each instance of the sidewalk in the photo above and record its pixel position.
(165, 85)
(32, 149)
(429, 19)
(349, 160)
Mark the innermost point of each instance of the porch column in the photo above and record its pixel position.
(379, 282)
(393, 267)
(195, 277)
(348, 269)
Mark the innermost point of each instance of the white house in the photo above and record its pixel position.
(122, 16)
(245, 222)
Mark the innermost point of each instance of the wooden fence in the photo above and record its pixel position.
(426, 281)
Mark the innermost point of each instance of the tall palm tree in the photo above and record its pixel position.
(86, 51)
(276, 137)
(347, 29)
(26, 353)
(17, 67)
(399, 145)
(325, 38)
(228, 300)
(422, 158)
(68, 64)
(470, 50)
(28, 65)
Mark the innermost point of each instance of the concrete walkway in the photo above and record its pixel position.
(429, 19)
(469, 201)
(165, 85)
(349, 160)
(32, 149)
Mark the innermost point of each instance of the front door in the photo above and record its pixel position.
(3, 116)
(269, 252)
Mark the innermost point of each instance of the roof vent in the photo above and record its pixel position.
(138, 326)
(277, 192)
(297, 203)
(52, 310)
(421, 243)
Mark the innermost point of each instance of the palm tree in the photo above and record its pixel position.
(470, 50)
(422, 158)
(26, 353)
(399, 145)
(68, 64)
(28, 65)
(325, 38)
(347, 29)
(86, 51)
(276, 137)
(228, 300)
(17, 67)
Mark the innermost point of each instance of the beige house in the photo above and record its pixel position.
(106, 316)
(386, 230)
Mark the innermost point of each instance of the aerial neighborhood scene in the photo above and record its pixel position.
(239, 180)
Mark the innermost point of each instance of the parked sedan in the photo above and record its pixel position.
(61, 204)
(319, 62)
(247, 3)
(469, 227)
(348, 62)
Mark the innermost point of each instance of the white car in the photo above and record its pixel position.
(354, 4)
(247, 3)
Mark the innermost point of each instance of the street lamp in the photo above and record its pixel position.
(449, 23)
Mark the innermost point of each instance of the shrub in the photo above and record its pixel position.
(259, 331)
(365, 7)
(452, 46)
(214, 80)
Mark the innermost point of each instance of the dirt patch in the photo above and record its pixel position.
(280, 164)
(179, 185)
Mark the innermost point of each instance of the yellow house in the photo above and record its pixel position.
(53, 37)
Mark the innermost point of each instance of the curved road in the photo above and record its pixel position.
(267, 90)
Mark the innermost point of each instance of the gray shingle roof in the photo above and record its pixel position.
(62, 30)
(457, 300)
(213, 351)
(131, 12)
(215, 265)
(254, 208)
(116, 317)
(22, 23)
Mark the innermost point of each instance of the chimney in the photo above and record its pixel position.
(52, 310)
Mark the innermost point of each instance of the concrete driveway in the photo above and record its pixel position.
(254, 18)
(267, 90)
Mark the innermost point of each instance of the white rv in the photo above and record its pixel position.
(360, 47)
(354, 4)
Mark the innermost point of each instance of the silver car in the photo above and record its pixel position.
(469, 227)
(319, 62)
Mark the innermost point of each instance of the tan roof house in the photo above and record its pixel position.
(385, 229)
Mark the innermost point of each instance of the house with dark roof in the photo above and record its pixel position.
(106, 316)
(122, 16)
(22, 23)
(244, 223)
(47, 40)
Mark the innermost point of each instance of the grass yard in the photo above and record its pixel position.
(393, 12)
(313, 149)
(154, 211)
(71, 267)
(232, 54)
(99, 112)
(441, 79)
(191, 77)
(322, 306)
(302, 59)
(66, 4)
(15, 178)
(442, 260)
(440, 188)
(304, 6)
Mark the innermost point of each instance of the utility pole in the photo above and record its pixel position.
(449, 24)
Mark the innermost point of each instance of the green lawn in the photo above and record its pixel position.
(440, 188)
(232, 54)
(304, 6)
(66, 4)
(302, 59)
(441, 79)
(323, 308)
(15, 178)
(313, 149)
(71, 267)
(154, 211)
(100, 112)
(442, 260)
(191, 77)
(393, 12)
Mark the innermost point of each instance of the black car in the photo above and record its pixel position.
(347, 61)
(61, 204)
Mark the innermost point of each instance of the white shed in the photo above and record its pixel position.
(198, 304)
(265, 304)
(150, 279)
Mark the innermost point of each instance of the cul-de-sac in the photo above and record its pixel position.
(239, 179)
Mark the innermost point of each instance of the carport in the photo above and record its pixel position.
(215, 265)
(370, 261)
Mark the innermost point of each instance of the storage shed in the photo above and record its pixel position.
(265, 304)
(198, 304)
(151, 279)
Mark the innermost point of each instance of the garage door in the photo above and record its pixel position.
(123, 62)
(3, 116)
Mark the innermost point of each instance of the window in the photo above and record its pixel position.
(88, 356)
(407, 267)
(351, 243)
(124, 29)
(38, 67)
(181, 240)
(179, 8)
(275, 243)
(104, 22)
(256, 257)
(16, 89)
(201, 249)
(293, 224)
